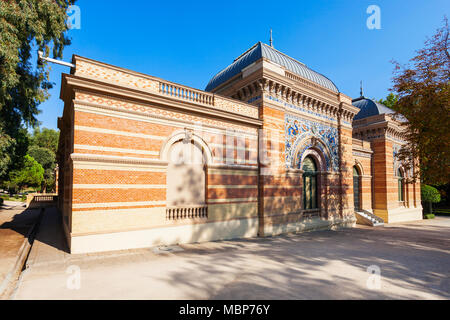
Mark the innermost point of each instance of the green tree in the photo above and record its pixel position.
(26, 26)
(5, 144)
(423, 91)
(17, 150)
(31, 175)
(47, 138)
(44, 156)
(430, 195)
(47, 159)
(390, 101)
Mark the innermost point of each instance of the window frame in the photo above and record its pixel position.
(311, 202)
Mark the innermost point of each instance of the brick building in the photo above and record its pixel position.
(269, 147)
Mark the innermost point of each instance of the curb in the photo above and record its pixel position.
(7, 285)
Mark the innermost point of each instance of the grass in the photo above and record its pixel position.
(428, 216)
(18, 199)
(442, 211)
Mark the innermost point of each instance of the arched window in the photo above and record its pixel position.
(401, 185)
(356, 188)
(309, 183)
(185, 175)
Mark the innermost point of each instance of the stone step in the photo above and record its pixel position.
(371, 219)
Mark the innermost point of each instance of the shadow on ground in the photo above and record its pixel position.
(411, 259)
(51, 230)
(414, 260)
(21, 222)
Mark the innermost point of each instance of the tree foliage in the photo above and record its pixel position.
(430, 194)
(47, 138)
(423, 91)
(25, 26)
(5, 144)
(44, 156)
(390, 101)
(43, 148)
(31, 175)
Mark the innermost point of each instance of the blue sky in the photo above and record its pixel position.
(188, 42)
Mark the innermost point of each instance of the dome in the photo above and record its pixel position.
(262, 50)
(369, 107)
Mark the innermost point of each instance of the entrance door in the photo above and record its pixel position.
(356, 188)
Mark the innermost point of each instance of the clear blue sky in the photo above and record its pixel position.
(188, 42)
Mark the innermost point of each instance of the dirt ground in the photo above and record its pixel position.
(15, 223)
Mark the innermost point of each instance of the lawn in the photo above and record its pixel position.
(13, 198)
(442, 211)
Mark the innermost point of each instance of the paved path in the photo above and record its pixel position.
(15, 223)
(414, 260)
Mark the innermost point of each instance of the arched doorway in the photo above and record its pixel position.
(356, 188)
(309, 168)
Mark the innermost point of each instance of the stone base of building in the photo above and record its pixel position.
(226, 230)
(311, 224)
(214, 231)
(400, 214)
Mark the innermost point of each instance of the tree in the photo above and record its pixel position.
(31, 175)
(423, 91)
(43, 148)
(390, 101)
(26, 25)
(47, 138)
(44, 156)
(47, 159)
(15, 150)
(430, 195)
(5, 143)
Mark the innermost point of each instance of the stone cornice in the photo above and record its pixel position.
(359, 149)
(378, 126)
(297, 87)
(300, 98)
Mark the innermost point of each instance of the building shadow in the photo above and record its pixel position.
(410, 261)
(23, 222)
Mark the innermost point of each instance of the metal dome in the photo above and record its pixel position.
(262, 50)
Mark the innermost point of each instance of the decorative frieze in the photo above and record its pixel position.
(125, 106)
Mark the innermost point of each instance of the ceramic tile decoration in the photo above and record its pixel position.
(297, 129)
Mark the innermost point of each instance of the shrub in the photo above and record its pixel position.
(430, 195)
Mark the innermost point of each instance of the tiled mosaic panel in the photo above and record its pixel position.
(297, 129)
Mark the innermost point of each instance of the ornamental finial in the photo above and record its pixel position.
(271, 39)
